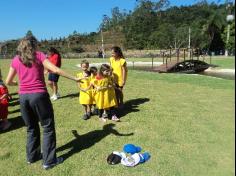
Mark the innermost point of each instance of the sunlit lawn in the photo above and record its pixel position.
(186, 123)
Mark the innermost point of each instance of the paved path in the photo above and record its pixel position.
(222, 73)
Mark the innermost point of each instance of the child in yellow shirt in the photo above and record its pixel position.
(85, 95)
(93, 70)
(119, 69)
(105, 93)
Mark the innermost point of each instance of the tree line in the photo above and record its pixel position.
(153, 25)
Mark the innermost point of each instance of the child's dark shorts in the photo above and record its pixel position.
(53, 77)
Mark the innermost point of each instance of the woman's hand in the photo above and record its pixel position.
(45, 71)
(11, 74)
(79, 80)
(14, 83)
(83, 90)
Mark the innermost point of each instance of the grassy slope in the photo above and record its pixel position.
(186, 122)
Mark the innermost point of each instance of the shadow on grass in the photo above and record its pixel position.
(13, 99)
(87, 140)
(12, 94)
(14, 111)
(14, 103)
(16, 123)
(131, 106)
(73, 95)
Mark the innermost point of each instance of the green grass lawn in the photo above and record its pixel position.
(222, 62)
(185, 122)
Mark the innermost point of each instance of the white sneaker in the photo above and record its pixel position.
(54, 97)
(115, 118)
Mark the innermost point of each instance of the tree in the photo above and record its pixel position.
(180, 37)
(199, 38)
(162, 5)
(213, 26)
(29, 33)
(105, 25)
(162, 37)
(140, 25)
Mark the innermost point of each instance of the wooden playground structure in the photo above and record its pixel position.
(183, 61)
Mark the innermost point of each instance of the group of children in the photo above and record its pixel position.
(101, 89)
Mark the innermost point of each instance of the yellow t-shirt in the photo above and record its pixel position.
(105, 98)
(85, 97)
(117, 69)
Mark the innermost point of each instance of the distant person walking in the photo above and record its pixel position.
(55, 58)
(35, 104)
(119, 70)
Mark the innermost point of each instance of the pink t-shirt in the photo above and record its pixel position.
(31, 79)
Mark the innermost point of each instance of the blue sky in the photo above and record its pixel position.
(59, 18)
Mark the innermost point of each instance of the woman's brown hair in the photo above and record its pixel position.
(26, 50)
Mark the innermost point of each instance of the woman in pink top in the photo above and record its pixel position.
(35, 103)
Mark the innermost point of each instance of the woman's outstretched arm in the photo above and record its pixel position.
(10, 77)
(48, 65)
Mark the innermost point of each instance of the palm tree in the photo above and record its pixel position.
(214, 25)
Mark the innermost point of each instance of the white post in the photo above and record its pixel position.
(103, 52)
(189, 37)
(175, 43)
(227, 39)
(229, 19)
(189, 41)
